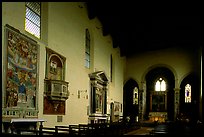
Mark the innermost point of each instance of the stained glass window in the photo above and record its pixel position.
(188, 93)
(111, 67)
(87, 49)
(160, 85)
(135, 96)
(33, 18)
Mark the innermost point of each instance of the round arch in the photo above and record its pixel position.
(191, 109)
(150, 76)
(184, 77)
(129, 108)
(130, 78)
(160, 65)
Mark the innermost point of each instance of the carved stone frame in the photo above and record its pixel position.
(55, 73)
(98, 80)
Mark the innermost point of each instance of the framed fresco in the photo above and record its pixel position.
(21, 77)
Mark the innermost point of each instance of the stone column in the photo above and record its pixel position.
(142, 100)
(141, 105)
(105, 89)
(166, 100)
(176, 102)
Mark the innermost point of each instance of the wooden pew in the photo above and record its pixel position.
(74, 129)
(160, 130)
(28, 131)
(47, 131)
(85, 129)
(63, 130)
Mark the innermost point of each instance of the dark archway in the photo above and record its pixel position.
(191, 110)
(151, 76)
(130, 109)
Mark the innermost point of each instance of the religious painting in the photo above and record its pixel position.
(21, 70)
(99, 100)
(158, 103)
(55, 67)
(117, 108)
(53, 107)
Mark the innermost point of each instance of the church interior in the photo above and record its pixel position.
(93, 68)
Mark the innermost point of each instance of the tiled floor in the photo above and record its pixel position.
(163, 129)
(141, 131)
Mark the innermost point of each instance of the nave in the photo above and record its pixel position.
(117, 128)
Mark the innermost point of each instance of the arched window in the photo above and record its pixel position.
(188, 93)
(160, 85)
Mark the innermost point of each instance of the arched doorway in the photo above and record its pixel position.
(130, 105)
(189, 97)
(160, 97)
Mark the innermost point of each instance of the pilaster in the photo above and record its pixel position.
(176, 102)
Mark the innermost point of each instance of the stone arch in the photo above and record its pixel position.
(130, 78)
(130, 109)
(156, 66)
(145, 87)
(190, 110)
(184, 77)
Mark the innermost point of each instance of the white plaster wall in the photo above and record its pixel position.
(64, 32)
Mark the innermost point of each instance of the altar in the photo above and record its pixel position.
(158, 106)
(14, 124)
(158, 116)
